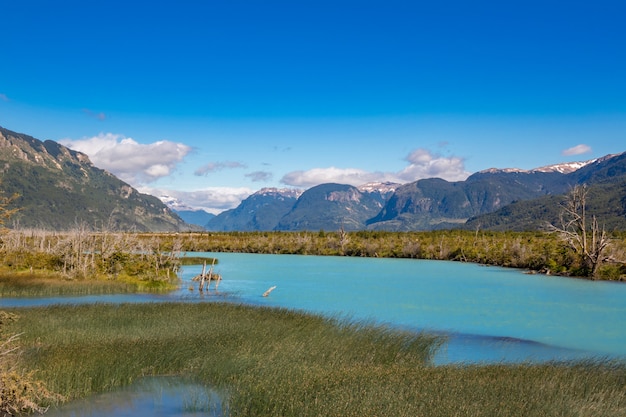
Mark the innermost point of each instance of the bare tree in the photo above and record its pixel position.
(344, 239)
(584, 237)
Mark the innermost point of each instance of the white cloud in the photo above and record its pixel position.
(317, 176)
(213, 199)
(158, 170)
(129, 160)
(577, 150)
(422, 164)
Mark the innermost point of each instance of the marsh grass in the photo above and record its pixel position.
(48, 283)
(276, 362)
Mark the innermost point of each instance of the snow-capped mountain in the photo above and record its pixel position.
(279, 192)
(190, 215)
(175, 203)
(379, 187)
(563, 168)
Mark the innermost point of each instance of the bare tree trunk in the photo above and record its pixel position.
(587, 241)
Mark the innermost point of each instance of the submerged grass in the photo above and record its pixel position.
(277, 362)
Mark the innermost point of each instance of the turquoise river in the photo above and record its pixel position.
(489, 314)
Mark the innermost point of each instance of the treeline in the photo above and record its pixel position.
(537, 251)
(155, 257)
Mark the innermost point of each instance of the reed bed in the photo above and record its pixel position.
(50, 284)
(277, 362)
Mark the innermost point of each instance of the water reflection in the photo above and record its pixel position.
(162, 396)
(468, 348)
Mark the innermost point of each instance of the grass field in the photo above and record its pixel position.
(276, 362)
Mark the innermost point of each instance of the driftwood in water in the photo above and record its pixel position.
(269, 290)
(202, 276)
(206, 278)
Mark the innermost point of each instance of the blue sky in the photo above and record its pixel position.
(210, 101)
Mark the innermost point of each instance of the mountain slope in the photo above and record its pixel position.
(259, 212)
(435, 203)
(605, 169)
(331, 207)
(60, 188)
(606, 199)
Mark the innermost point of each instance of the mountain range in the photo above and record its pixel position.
(606, 199)
(493, 199)
(60, 188)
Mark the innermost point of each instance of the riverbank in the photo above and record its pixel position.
(271, 361)
(156, 257)
(48, 283)
(535, 251)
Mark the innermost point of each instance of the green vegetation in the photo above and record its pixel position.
(583, 235)
(197, 260)
(536, 251)
(36, 263)
(605, 200)
(42, 284)
(5, 209)
(58, 187)
(275, 362)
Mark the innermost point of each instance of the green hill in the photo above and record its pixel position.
(606, 200)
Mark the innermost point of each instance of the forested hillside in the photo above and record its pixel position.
(58, 188)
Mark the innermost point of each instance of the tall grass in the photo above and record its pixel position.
(49, 284)
(276, 362)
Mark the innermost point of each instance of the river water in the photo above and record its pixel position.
(490, 314)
